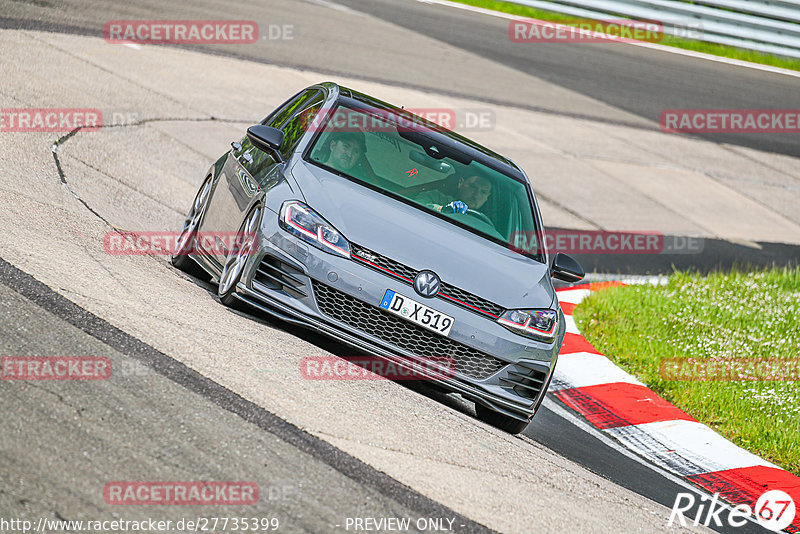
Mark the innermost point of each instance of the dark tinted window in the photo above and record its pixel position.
(296, 110)
(404, 160)
(296, 126)
(289, 109)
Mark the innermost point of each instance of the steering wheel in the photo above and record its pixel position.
(474, 213)
(480, 216)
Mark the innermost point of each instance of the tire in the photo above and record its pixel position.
(181, 259)
(236, 260)
(499, 420)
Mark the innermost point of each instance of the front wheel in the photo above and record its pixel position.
(187, 240)
(499, 420)
(244, 246)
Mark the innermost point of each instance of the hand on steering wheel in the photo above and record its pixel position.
(456, 206)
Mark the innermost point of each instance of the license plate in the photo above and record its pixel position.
(417, 313)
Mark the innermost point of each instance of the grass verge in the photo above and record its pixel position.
(718, 322)
(668, 40)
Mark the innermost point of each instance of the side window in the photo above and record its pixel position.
(291, 107)
(274, 114)
(295, 127)
(258, 162)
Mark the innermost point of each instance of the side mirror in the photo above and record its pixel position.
(566, 268)
(266, 138)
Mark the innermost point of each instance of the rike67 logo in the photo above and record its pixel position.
(774, 510)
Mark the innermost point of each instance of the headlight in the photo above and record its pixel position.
(305, 223)
(540, 325)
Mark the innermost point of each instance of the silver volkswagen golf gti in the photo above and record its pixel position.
(393, 235)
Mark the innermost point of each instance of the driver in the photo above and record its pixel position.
(348, 153)
(472, 192)
(346, 148)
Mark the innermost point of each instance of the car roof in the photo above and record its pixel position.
(470, 148)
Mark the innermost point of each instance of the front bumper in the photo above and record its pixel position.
(504, 371)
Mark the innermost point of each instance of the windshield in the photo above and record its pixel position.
(401, 158)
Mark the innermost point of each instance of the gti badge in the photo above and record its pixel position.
(427, 284)
(366, 255)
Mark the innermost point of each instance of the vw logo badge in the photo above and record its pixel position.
(427, 284)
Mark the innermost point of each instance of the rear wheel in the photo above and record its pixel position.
(499, 420)
(245, 244)
(187, 241)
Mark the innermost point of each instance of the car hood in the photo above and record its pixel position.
(423, 241)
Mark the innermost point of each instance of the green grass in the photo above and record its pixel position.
(668, 40)
(738, 315)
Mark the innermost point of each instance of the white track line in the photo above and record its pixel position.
(571, 328)
(652, 46)
(333, 5)
(573, 296)
(630, 279)
(610, 442)
(685, 447)
(582, 369)
(674, 449)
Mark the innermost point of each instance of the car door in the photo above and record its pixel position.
(248, 171)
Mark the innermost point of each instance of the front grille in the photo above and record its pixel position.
(471, 300)
(408, 336)
(277, 274)
(526, 381)
(383, 263)
(406, 274)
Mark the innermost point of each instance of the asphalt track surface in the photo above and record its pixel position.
(639, 83)
(608, 84)
(305, 482)
(76, 331)
(716, 255)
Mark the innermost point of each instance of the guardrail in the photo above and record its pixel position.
(769, 26)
